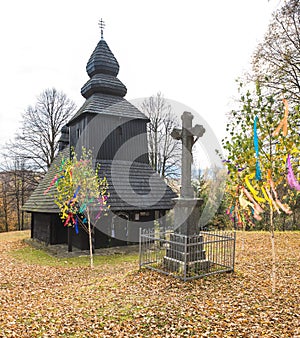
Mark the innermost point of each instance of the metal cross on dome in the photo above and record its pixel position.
(102, 26)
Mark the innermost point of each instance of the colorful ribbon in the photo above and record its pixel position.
(252, 190)
(76, 225)
(256, 147)
(51, 184)
(243, 202)
(282, 206)
(291, 178)
(284, 122)
(257, 208)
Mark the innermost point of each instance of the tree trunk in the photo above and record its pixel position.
(90, 238)
(283, 222)
(273, 271)
(155, 147)
(69, 239)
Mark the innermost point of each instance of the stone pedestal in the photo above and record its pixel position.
(186, 252)
(187, 215)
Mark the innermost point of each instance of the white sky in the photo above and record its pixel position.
(191, 51)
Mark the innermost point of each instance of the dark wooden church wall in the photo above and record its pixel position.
(59, 233)
(41, 227)
(119, 136)
(106, 134)
(78, 135)
(48, 228)
(81, 240)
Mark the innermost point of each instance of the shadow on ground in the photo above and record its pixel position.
(61, 250)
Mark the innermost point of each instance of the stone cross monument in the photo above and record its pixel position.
(187, 209)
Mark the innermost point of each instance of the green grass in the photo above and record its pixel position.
(30, 255)
(14, 235)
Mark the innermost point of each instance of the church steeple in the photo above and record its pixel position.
(103, 69)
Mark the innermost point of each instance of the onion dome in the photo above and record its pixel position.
(102, 61)
(103, 69)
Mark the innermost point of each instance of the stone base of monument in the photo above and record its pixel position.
(186, 253)
(174, 265)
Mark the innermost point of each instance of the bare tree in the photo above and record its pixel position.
(276, 61)
(37, 140)
(164, 151)
(5, 202)
(16, 185)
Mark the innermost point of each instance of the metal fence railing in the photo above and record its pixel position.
(187, 257)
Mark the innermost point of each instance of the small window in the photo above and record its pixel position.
(119, 131)
(78, 133)
(144, 213)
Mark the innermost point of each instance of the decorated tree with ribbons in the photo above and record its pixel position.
(262, 151)
(80, 193)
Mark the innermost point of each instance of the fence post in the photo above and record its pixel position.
(185, 258)
(140, 248)
(233, 257)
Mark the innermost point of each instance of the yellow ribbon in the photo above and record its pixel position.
(252, 190)
(266, 197)
(257, 208)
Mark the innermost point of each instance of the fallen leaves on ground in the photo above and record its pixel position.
(118, 300)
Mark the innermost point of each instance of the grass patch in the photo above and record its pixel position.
(34, 256)
(14, 235)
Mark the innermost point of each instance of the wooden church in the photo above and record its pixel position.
(116, 132)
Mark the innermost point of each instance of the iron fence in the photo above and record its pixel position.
(187, 257)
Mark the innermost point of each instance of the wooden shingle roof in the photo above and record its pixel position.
(135, 186)
(102, 61)
(103, 83)
(100, 103)
(39, 201)
(132, 186)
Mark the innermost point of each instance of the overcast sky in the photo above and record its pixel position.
(191, 51)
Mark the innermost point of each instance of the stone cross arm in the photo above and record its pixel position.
(197, 131)
(188, 136)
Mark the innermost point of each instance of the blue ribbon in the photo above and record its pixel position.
(255, 137)
(76, 191)
(76, 225)
(258, 171)
(82, 208)
(256, 147)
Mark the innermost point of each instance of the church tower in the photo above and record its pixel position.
(107, 121)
